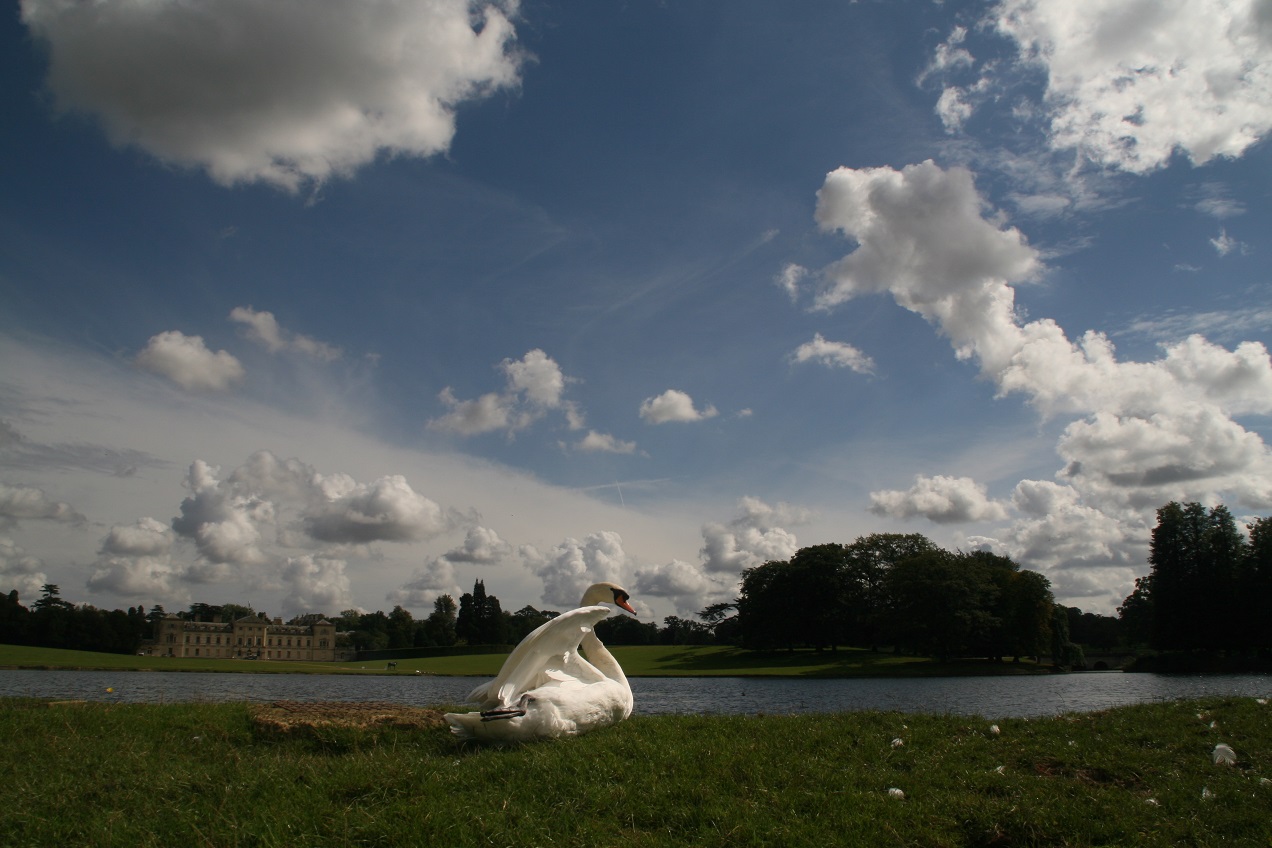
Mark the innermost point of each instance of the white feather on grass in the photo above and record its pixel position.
(1224, 755)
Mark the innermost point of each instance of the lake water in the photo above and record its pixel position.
(991, 697)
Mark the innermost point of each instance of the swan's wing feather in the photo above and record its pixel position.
(579, 668)
(552, 646)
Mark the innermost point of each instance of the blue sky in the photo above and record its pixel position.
(316, 305)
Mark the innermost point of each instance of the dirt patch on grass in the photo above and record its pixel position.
(288, 717)
(1092, 776)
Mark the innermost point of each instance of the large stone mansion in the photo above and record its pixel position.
(250, 637)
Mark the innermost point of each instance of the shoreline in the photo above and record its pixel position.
(637, 661)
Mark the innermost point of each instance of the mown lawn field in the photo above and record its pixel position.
(208, 775)
(637, 661)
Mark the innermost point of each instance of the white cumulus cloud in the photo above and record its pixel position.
(386, 510)
(437, 578)
(684, 584)
(481, 546)
(135, 560)
(1140, 433)
(315, 584)
(569, 568)
(188, 362)
(221, 521)
(537, 376)
(756, 534)
(20, 571)
(535, 385)
(1132, 82)
(283, 92)
(945, 500)
(673, 405)
(28, 502)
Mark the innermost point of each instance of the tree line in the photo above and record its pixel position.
(477, 619)
(1210, 586)
(899, 591)
(52, 622)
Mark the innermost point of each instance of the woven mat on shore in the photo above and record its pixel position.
(291, 716)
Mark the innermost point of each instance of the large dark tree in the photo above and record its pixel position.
(722, 618)
(1063, 650)
(439, 628)
(1198, 562)
(1225, 555)
(769, 607)
(941, 605)
(401, 628)
(1102, 632)
(866, 565)
(470, 603)
(1136, 613)
(684, 631)
(527, 619)
(51, 623)
(481, 620)
(371, 632)
(826, 611)
(1255, 606)
(1021, 610)
(14, 620)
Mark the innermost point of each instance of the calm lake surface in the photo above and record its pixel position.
(991, 697)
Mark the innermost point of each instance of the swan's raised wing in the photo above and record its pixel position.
(546, 653)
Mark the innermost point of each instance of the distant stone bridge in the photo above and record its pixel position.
(1107, 660)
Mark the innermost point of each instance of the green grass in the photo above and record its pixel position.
(723, 661)
(19, 656)
(637, 661)
(199, 774)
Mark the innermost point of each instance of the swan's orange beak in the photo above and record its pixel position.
(620, 600)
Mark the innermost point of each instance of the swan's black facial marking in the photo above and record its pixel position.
(620, 600)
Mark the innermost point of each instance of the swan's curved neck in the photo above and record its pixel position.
(599, 656)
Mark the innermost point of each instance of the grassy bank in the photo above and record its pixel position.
(637, 661)
(142, 775)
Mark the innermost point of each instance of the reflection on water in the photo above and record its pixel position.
(991, 697)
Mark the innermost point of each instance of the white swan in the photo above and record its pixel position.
(546, 688)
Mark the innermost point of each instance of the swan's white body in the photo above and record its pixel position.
(547, 689)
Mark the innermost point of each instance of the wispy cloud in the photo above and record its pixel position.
(1225, 325)
(263, 328)
(833, 355)
(1225, 244)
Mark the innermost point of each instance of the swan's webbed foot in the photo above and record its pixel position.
(499, 715)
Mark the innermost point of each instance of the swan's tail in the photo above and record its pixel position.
(463, 725)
